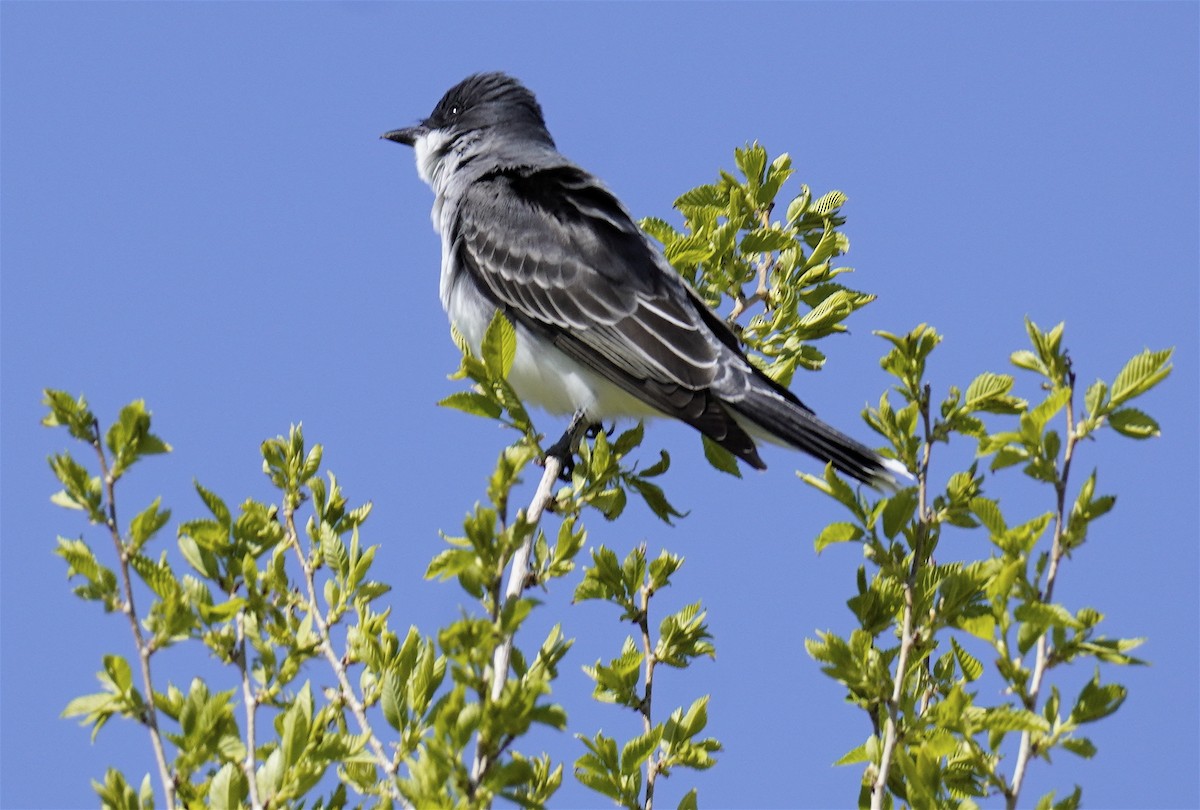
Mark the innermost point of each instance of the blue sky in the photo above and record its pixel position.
(197, 211)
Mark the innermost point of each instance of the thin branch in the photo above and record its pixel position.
(1041, 663)
(890, 728)
(335, 662)
(762, 292)
(742, 303)
(251, 703)
(519, 572)
(647, 698)
(923, 535)
(150, 714)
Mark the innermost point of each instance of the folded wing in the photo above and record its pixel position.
(559, 254)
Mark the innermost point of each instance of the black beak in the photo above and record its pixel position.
(407, 136)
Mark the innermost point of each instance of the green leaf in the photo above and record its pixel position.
(1141, 374)
(629, 439)
(1026, 359)
(333, 551)
(752, 161)
(1070, 803)
(857, 754)
(833, 486)
(828, 203)
(229, 788)
(1080, 746)
(777, 174)
(472, 402)
(688, 251)
(1044, 412)
(201, 559)
(147, 523)
(95, 709)
(1133, 423)
(720, 458)
(73, 414)
(158, 576)
(81, 561)
(989, 514)
(898, 511)
(706, 195)
(837, 533)
(765, 240)
(653, 495)
(115, 793)
(683, 636)
(658, 229)
(638, 750)
(799, 205)
(598, 769)
(499, 346)
(146, 794)
(1096, 398)
(82, 491)
(1006, 718)
(214, 504)
(1046, 615)
(970, 665)
(989, 393)
(1097, 701)
(694, 721)
(661, 570)
(294, 726)
(129, 438)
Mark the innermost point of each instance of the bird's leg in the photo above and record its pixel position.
(564, 448)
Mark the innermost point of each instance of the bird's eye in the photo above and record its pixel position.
(455, 109)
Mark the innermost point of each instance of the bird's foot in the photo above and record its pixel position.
(564, 451)
(564, 448)
(595, 429)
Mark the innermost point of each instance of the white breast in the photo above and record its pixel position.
(541, 374)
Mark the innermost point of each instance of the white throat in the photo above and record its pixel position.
(431, 159)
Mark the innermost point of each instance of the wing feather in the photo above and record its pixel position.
(559, 253)
(563, 253)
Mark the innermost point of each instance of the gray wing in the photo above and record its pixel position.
(558, 253)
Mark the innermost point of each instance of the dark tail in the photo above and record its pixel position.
(788, 421)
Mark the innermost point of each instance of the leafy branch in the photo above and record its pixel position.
(932, 742)
(729, 242)
(291, 470)
(128, 440)
(248, 614)
(269, 605)
(628, 680)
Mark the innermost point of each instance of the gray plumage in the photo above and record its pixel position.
(604, 325)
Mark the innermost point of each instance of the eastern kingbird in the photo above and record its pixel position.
(605, 328)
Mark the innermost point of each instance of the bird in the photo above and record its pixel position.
(605, 328)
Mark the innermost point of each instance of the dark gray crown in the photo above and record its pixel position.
(489, 100)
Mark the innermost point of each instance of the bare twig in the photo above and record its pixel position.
(893, 707)
(335, 662)
(762, 292)
(647, 697)
(1042, 660)
(519, 572)
(742, 303)
(251, 703)
(150, 713)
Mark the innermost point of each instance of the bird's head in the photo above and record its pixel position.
(483, 108)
